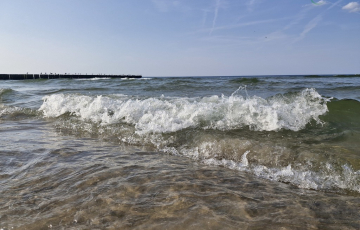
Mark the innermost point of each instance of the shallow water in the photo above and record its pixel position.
(136, 158)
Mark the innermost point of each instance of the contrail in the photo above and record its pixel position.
(217, 6)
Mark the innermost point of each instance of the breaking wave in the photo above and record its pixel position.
(268, 137)
(163, 115)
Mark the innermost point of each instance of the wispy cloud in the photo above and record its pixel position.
(161, 5)
(165, 6)
(311, 25)
(300, 16)
(226, 39)
(216, 10)
(352, 7)
(250, 23)
(334, 4)
(204, 18)
(250, 5)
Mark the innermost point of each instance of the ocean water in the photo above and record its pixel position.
(256, 152)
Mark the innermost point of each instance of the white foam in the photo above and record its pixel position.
(92, 79)
(6, 110)
(303, 178)
(243, 155)
(163, 115)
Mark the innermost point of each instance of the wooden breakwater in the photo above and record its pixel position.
(28, 76)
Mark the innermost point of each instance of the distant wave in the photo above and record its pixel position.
(244, 80)
(322, 76)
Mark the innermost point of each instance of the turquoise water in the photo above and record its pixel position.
(189, 152)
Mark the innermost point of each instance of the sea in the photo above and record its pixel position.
(238, 152)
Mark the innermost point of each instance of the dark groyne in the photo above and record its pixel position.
(55, 76)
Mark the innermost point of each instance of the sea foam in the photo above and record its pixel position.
(164, 115)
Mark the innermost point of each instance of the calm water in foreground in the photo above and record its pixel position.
(276, 152)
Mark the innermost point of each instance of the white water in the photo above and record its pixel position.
(267, 161)
(93, 79)
(303, 178)
(164, 115)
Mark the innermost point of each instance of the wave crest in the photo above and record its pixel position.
(4, 91)
(164, 115)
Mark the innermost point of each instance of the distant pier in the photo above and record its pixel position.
(29, 76)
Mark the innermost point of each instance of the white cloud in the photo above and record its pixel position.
(352, 7)
(319, 3)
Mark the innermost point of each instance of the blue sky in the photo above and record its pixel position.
(180, 38)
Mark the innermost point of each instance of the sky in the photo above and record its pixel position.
(180, 38)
